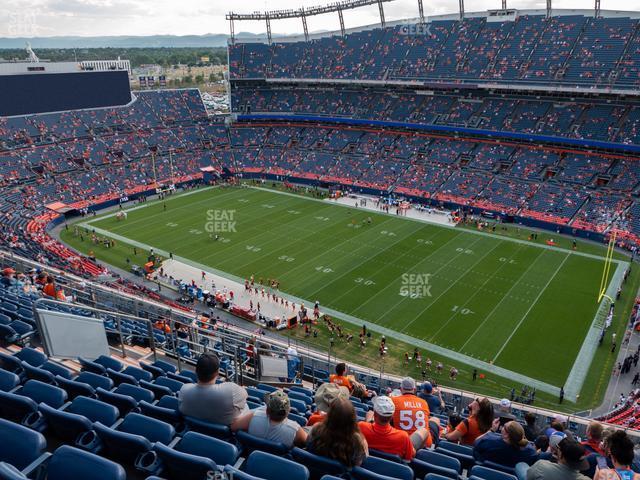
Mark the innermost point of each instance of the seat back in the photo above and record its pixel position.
(439, 459)
(119, 377)
(421, 468)
(138, 393)
(36, 373)
(207, 428)
(31, 356)
(9, 472)
(121, 445)
(169, 401)
(184, 465)
(16, 407)
(69, 463)
(20, 445)
(138, 373)
(359, 473)
(109, 363)
(8, 380)
(317, 464)
(171, 384)
(94, 410)
(65, 425)
(221, 452)
(40, 392)
(95, 380)
(485, 473)
(251, 443)
(152, 429)
(168, 415)
(75, 389)
(93, 367)
(272, 467)
(166, 367)
(124, 403)
(388, 468)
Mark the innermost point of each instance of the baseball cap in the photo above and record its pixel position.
(8, 271)
(555, 438)
(327, 393)
(505, 403)
(574, 454)
(278, 403)
(427, 387)
(383, 406)
(407, 384)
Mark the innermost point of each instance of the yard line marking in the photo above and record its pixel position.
(449, 287)
(531, 307)
(477, 290)
(371, 259)
(515, 284)
(390, 284)
(453, 227)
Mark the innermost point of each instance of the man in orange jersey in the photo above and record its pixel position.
(340, 377)
(412, 415)
(381, 436)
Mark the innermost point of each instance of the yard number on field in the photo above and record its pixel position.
(466, 251)
(253, 248)
(364, 281)
(387, 233)
(285, 258)
(425, 242)
(507, 260)
(461, 311)
(323, 269)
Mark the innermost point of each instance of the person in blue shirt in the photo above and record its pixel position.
(433, 398)
(506, 448)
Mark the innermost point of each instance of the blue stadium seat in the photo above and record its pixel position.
(10, 363)
(221, 452)
(207, 428)
(57, 369)
(317, 464)
(427, 461)
(75, 389)
(169, 402)
(68, 463)
(169, 415)
(190, 375)
(387, 456)
(385, 468)
(109, 363)
(41, 392)
(35, 373)
(138, 393)
(171, 384)
(124, 403)
(301, 396)
(21, 446)
(9, 472)
(182, 465)
(463, 453)
(8, 380)
(120, 377)
(31, 356)
(95, 380)
(156, 389)
(483, 473)
(138, 373)
(271, 467)
(19, 409)
(91, 366)
(239, 474)
(251, 443)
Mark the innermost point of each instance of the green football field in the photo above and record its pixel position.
(505, 301)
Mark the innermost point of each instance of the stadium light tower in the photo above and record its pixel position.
(548, 8)
(421, 12)
(597, 9)
(303, 13)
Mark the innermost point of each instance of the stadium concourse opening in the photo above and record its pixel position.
(327, 306)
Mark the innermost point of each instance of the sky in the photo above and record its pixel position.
(44, 18)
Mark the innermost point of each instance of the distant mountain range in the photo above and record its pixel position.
(152, 41)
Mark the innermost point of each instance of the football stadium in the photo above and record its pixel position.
(406, 251)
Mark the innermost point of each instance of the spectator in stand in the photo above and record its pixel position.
(49, 288)
(217, 403)
(380, 435)
(557, 424)
(8, 277)
(503, 413)
(325, 395)
(620, 449)
(506, 447)
(479, 421)
(412, 414)
(530, 429)
(570, 462)
(271, 422)
(433, 397)
(593, 443)
(338, 436)
(340, 378)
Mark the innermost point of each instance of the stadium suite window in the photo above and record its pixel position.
(35, 69)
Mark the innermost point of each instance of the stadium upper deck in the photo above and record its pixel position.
(570, 48)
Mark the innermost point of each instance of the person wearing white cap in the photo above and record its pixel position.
(503, 413)
(380, 435)
(412, 414)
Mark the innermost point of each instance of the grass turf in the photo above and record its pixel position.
(520, 306)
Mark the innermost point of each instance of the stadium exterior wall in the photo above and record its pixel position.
(23, 94)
